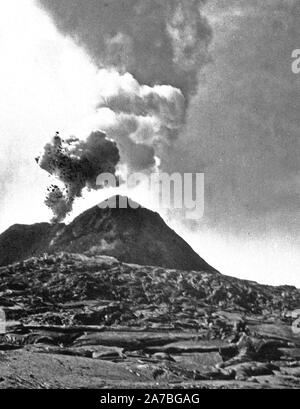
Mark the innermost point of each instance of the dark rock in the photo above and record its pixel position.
(154, 325)
(23, 241)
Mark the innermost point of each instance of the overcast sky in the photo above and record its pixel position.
(242, 116)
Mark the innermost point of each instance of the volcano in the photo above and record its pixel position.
(132, 234)
(120, 300)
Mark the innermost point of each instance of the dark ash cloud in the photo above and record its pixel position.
(76, 164)
(243, 126)
(157, 41)
(151, 52)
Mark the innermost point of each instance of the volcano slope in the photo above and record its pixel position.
(127, 231)
(92, 321)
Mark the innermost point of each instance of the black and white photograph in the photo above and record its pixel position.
(150, 197)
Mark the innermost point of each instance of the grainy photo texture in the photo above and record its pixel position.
(150, 190)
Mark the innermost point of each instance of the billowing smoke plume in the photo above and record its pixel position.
(138, 121)
(76, 164)
(143, 119)
(149, 53)
(157, 41)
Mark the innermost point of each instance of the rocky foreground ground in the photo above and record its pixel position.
(76, 321)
